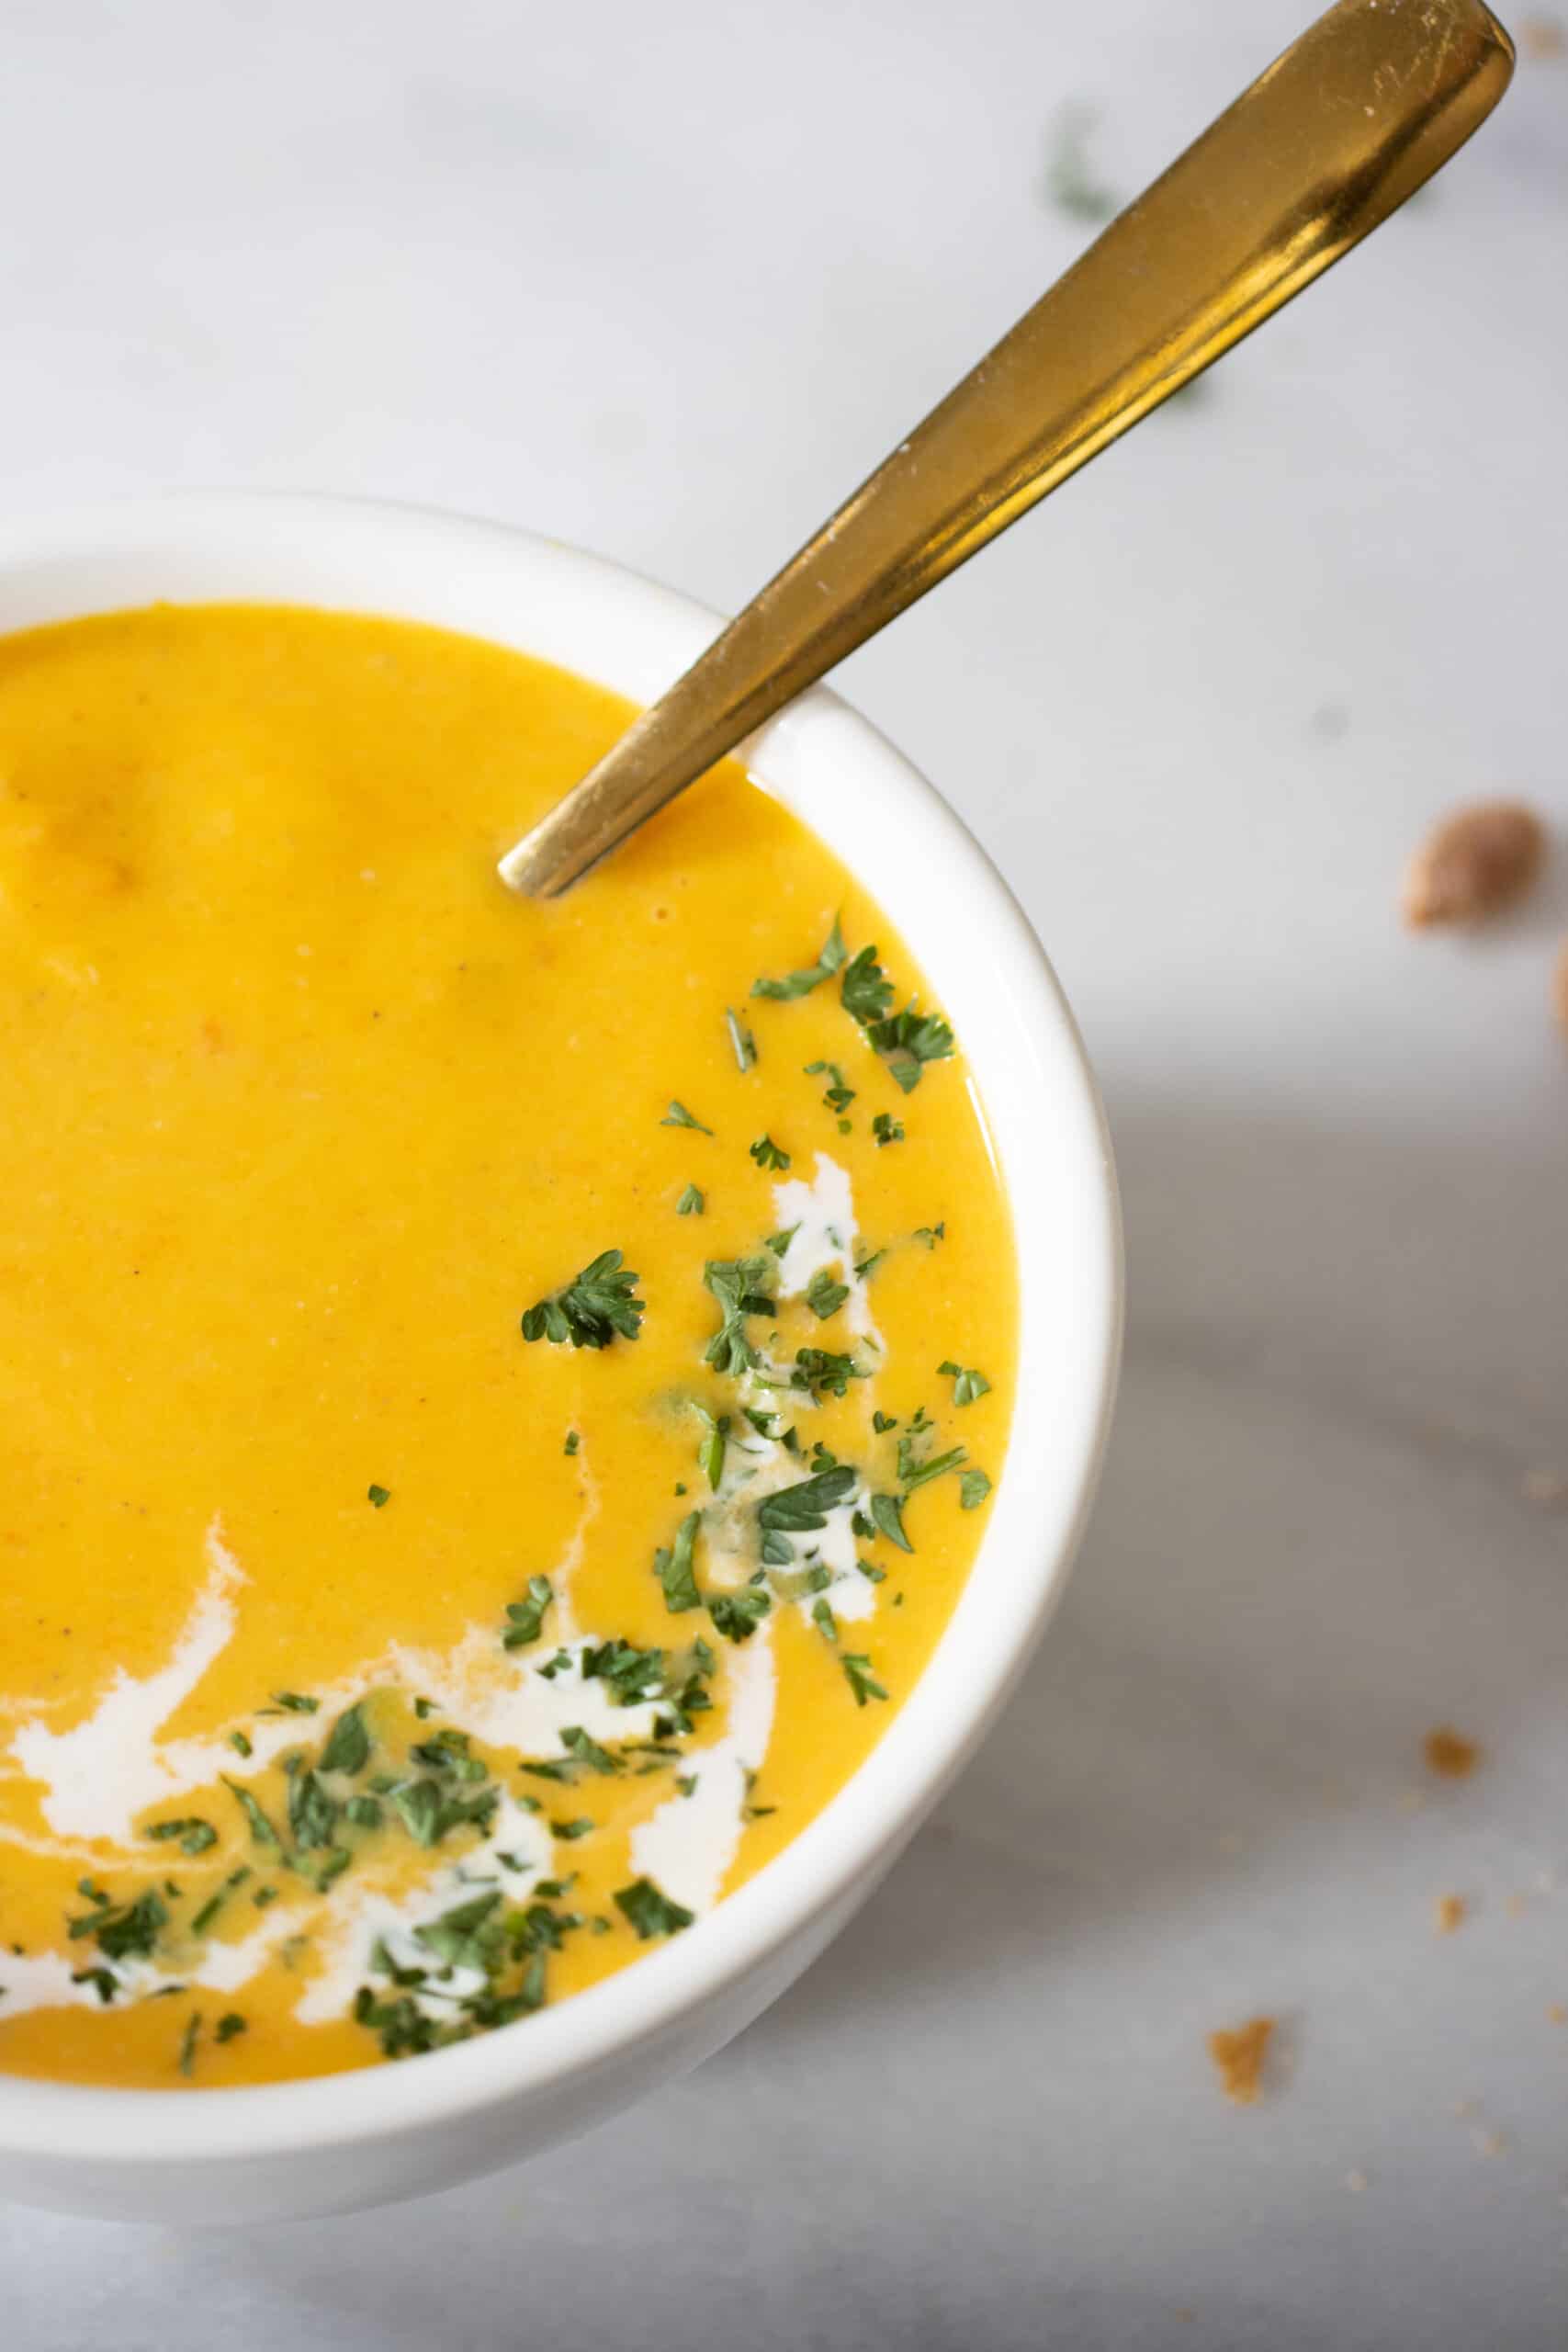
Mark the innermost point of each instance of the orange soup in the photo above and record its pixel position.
(497, 1400)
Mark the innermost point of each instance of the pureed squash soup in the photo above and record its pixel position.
(497, 1400)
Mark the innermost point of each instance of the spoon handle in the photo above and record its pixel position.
(1374, 98)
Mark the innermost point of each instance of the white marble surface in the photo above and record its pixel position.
(665, 281)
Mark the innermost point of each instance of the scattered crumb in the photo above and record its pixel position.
(1560, 988)
(1449, 1911)
(1355, 2181)
(1516, 1905)
(1544, 1488)
(1465, 2107)
(1487, 2143)
(1239, 2053)
(1449, 1754)
(1476, 862)
(1542, 37)
(1556, 2014)
(1187, 2318)
(1411, 1799)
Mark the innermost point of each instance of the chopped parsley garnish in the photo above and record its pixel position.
(587, 1751)
(632, 1674)
(817, 1369)
(678, 1116)
(347, 1747)
(883, 1423)
(187, 2042)
(865, 990)
(931, 1234)
(768, 1154)
(262, 1831)
(312, 1813)
(779, 1242)
(526, 1618)
(601, 1301)
(195, 1835)
(741, 1040)
(887, 1517)
(824, 1295)
(227, 2026)
(672, 1567)
(650, 1912)
(737, 1615)
(738, 1284)
(571, 1830)
(573, 1444)
(973, 1488)
(691, 1203)
(239, 1744)
(710, 1453)
(824, 1620)
(907, 1040)
(913, 1471)
(801, 983)
(838, 1096)
(886, 1128)
(296, 1703)
(428, 1811)
(801, 1508)
(861, 1682)
(967, 1384)
(214, 1903)
(122, 1930)
(863, 1266)
(380, 1496)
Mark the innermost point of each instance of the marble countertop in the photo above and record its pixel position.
(665, 282)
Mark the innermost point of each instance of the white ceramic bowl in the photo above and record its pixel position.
(397, 2129)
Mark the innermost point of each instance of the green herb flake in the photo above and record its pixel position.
(824, 1620)
(691, 1203)
(347, 1747)
(229, 2024)
(740, 1286)
(931, 1234)
(296, 1703)
(573, 1443)
(967, 1384)
(597, 1304)
(837, 1095)
(239, 1744)
(768, 1154)
(650, 1912)
(886, 1128)
(973, 1488)
(865, 991)
(824, 1295)
(379, 1497)
(571, 1830)
(188, 2040)
(887, 1517)
(861, 1682)
(743, 1043)
(673, 1567)
(801, 983)
(737, 1615)
(526, 1618)
(587, 1751)
(195, 1835)
(262, 1831)
(678, 1116)
(803, 1507)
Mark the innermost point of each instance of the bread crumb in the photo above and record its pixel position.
(1239, 2053)
(1463, 2107)
(1516, 1905)
(1355, 2181)
(1544, 1488)
(1542, 37)
(1450, 1912)
(1449, 1754)
(1556, 2014)
(1479, 860)
(1487, 2143)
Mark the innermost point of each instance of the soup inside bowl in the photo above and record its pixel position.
(539, 1434)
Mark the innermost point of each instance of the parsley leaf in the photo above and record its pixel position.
(887, 1515)
(817, 1369)
(973, 1488)
(691, 1203)
(227, 2026)
(741, 1040)
(297, 1702)
(587, 1751)
(380, 1496)
(861, 1682)
(678, 1116)
(737, 1284)
(313, 1813)
(650, 1912)
(865, 990)
(886, 1128)
(672, 1567)
(262, 1831)
(599, 1302)
(801, 983)
(526, 1617)
(966, 1386)
(800, 1509)
(737, 1615)
(194, 1834)
(907, 1040)
(824, 1295)
(768, 1154)
(837, 1097)
(348, 1744)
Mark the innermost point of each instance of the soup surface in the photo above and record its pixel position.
(497, 1402)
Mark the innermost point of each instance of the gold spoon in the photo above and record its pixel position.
(1372, 100)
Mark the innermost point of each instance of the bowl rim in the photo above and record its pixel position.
(1039, 1098)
